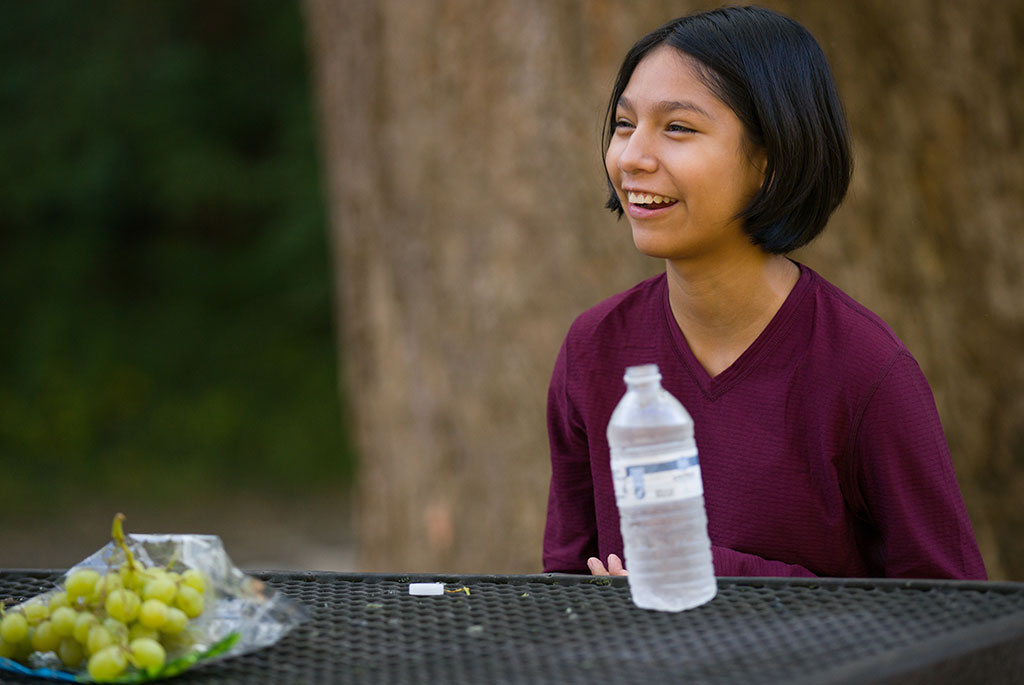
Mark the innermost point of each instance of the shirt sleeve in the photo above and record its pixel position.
(729, 562)
(570, 535)
(907, 481)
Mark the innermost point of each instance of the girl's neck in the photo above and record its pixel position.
(722, 307)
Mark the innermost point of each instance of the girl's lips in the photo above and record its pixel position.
(648, 211)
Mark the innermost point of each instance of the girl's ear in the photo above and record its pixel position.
(759, 158)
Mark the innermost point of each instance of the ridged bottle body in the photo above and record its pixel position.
(660, 496)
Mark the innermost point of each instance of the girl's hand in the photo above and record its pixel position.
(614, 566)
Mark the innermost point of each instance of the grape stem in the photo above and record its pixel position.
(117, 532)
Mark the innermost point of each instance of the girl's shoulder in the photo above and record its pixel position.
(629, 310)
(850, 346)
(844, 317)
(623, 330)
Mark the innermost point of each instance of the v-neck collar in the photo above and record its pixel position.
(715, 387)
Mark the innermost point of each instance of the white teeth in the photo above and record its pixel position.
(644, 199)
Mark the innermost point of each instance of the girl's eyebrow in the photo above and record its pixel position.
(668, 106)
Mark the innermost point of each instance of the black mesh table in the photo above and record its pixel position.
(367, 628)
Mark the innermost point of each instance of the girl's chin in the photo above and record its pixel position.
(654, 245)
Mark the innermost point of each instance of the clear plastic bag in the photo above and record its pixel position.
(241, 613)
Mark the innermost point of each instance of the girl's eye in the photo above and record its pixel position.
(679, 128)
(623, 123)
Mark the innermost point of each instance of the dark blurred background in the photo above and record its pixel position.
(165, 286)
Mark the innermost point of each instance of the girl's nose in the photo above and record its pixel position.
(637, 155)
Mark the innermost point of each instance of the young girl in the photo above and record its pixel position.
(820, 445)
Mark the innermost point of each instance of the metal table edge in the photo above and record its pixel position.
(923, 584)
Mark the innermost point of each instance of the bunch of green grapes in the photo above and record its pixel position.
(127, 617)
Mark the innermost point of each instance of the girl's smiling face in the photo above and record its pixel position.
(680, 161)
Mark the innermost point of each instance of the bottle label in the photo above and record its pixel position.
(662, 478)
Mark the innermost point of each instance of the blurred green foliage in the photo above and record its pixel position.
(165, 288)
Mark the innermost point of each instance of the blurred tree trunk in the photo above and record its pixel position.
(461, 148)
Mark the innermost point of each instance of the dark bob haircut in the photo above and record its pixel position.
(773, 75)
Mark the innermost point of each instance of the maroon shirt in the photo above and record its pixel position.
(820, 447)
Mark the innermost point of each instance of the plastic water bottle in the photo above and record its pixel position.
(660, 495)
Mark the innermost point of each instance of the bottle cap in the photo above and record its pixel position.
(423, 589)
(642, 373)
